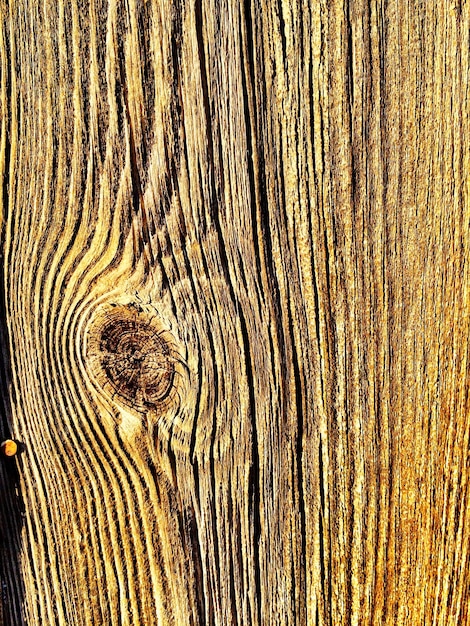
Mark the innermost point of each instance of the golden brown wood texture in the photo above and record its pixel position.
(236, 244)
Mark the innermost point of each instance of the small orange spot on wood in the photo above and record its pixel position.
(9, 447)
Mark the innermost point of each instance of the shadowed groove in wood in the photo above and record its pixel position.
(11, 503)
(280, 189)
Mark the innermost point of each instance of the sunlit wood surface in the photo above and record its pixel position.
(235, 320)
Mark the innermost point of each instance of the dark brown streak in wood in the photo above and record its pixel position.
(254, 474)
(299, 574)
(144, 17)
(213, 484)
(248, 100)
(11, 499)
(142, 235)
(209, 129)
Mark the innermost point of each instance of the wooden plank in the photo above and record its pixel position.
(235, 256)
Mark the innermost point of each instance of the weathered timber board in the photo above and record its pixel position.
(235, 258)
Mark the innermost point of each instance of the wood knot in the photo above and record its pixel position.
(132, 357)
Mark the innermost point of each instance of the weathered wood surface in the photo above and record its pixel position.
(236, 251)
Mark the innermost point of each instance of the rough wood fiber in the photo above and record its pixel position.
(236, 252)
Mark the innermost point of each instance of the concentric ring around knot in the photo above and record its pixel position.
(131, 356)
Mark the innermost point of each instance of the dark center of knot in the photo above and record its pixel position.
(130, 354)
